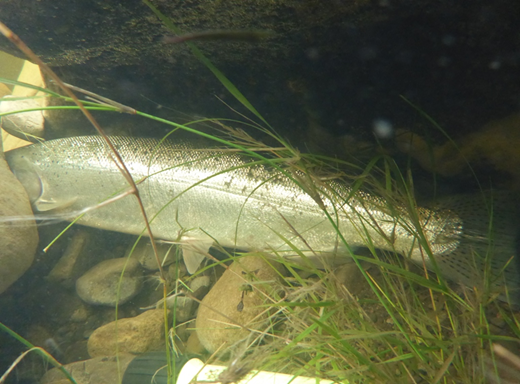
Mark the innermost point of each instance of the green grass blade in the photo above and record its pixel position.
(41, 352)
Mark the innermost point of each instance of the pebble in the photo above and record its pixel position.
(183, 308)
(80, 314)
(200, 285)
(182, 305)
(99, 285)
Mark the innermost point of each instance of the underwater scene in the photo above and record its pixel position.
(259, 192)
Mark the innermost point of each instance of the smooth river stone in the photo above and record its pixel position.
(18, 240)
(99, 285)
(233, 301)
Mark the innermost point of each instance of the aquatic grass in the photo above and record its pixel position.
(91, 105)
(388, 347)
(31, 348)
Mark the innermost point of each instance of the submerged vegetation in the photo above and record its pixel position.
(381, 319)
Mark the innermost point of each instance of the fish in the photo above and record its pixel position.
(203, 197)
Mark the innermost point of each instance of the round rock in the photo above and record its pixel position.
(233, 306)
(135, 335)
(200, 285)
(18, 241)
(99, 285)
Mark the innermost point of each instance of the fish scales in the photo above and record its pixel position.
(186, 190)
(201, 196)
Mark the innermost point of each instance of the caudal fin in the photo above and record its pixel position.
(487, 256)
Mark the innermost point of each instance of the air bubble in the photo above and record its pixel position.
(383, 129)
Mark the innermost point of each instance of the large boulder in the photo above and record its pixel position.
(18, 239)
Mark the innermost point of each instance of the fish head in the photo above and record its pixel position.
(38, 174)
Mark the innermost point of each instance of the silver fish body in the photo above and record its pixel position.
(199, 197)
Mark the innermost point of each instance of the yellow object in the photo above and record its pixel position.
(496, 144)
(27, 73)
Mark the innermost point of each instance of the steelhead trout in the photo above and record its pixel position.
(200, 197)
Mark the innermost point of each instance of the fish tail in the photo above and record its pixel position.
(487, 256)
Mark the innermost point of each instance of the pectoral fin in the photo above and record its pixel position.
(43, 205)
(192, 260)
(46, 201)
(194, 253)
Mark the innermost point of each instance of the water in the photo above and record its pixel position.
(330, 81)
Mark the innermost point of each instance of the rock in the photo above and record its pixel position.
(99, 285)
(200, 285)
(27, 125)
(18, 240)
(99, 370)
(494, 146)
(144, 253)
(182, 305)
(236, 299)
(349, 277)
(183, 308)
(4, 90)
(101, 49)
(193, 345)
(70, 266)
(80, 314)
(135, 335)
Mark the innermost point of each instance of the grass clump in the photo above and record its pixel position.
(333, 325)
